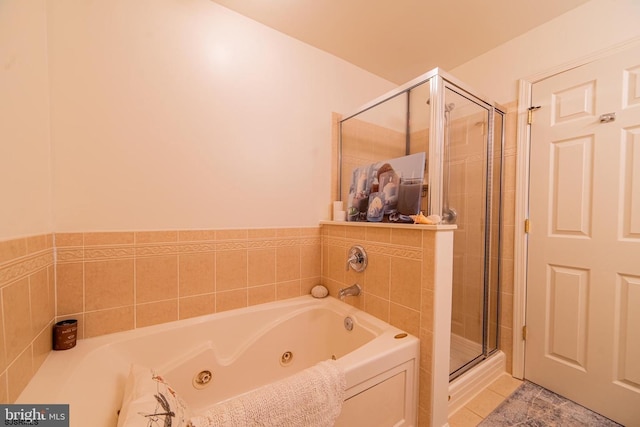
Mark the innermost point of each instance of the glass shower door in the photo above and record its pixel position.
(466, 202)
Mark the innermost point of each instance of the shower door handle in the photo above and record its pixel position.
(449, 216)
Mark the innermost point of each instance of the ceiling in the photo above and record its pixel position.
(401, 39)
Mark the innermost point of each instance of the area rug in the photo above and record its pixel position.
(532, 405)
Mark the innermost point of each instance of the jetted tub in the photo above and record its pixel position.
(243, 349)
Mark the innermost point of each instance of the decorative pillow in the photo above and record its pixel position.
(149, 401)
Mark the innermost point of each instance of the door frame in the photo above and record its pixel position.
(523, 141)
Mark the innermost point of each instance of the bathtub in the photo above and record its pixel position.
(243, 349)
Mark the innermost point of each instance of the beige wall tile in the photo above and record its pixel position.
(37, 243)
(197, 273)
(308, 283)
(196, 235)
(261, 294)
(108, 284)
(156, 237)
(156, 278)
(377, 307)
(506, 344)
(12, 249)
(70, 288)
(42, 302)
(428, 245)
(287, 263)
(109, 238)
(230, 300)
(285, 290)
(377, 275)
(68, 239)
(506, 277)
(198, 305)
(19, 374)
(4, 392)
(310, 260)
(3, 360)
(336, 263)
(17, 318)
(51, 280)
(156, 312)
(405, 319)
(336, 231)
(357, 302)
(406, 282)
(310, 232)
(426, 310)
(41, 347)
(352, 277)
(288, 232)
(356, 233)
(108, 321)
(261, 266)
(381, 235)
(332, 286)
(506, 309)
(239, 234)
(425, 397)
(424, 415)
(426, 349)
(231, 270)
(406, 237)
(324, 263)
(509, 166)
(262, 233)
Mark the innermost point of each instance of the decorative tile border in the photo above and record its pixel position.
(291, 238)
(410, 252)
(25, 266)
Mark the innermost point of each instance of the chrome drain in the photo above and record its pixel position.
(348, 323)
(202, 379)
(286, 358)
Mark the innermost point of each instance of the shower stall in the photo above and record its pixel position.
(461, 134)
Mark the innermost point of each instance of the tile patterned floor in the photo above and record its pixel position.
(485, 402)
(530, 405)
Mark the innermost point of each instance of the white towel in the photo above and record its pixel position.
(310, 398)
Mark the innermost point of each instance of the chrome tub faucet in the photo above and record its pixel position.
(353, 290)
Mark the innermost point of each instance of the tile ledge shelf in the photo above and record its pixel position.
(389, 225)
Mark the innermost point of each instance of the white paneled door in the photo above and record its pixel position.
(583, 271)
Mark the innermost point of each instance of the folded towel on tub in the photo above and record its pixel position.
(310, 398)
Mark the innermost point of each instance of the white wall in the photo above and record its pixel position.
(590, 28)
(24, 120)
(182, 114)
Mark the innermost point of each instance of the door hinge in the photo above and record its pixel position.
(527, 225)
(524, 333)
(530, 113)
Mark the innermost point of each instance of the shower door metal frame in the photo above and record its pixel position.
(438, 93)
